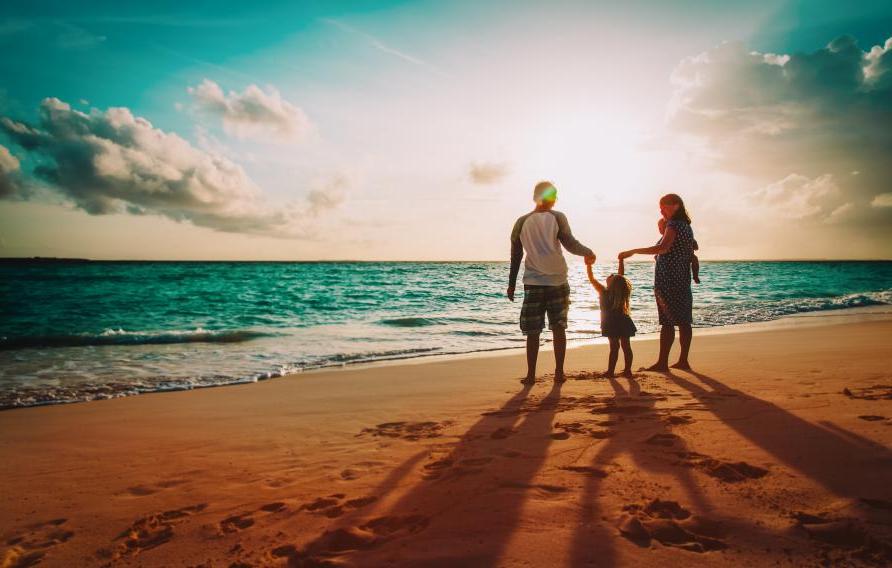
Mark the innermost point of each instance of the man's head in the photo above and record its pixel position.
(545, 194)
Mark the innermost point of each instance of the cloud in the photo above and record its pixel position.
(882, 200)
(806, 119)
(486, 173)
(253, 113)
(113, 162)
(328, 196)
(9, 171)
(797, 196)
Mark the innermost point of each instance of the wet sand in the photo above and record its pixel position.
(774, 452)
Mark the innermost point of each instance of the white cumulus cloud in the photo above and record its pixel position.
(253, 113)
(882, 200)
(797, 196)
(9, 170)
(797, 118)
(112, 162)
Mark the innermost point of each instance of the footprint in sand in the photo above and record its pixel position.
(729, 472)
(678, 420)
(366, 536)
(236, 523)
(846, 537)
(448, 467)
(30, 546)
(143, 490)
(411, 431)
(876, 392)
(585, 470)
(580, 428)
(276, 507)
(502, 433)
(662, 439)
(542, 490)
(670, 524)
(871, 417)
(151, 531)
(434, 470)
(334, 505)
(242, 521)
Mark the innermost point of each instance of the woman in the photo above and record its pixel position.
(672, 280)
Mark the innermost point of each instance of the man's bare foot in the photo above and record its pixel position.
(608, 374)
(528, 381)
(682, 365)
(627, 373)
(560, 378)
(657, 367)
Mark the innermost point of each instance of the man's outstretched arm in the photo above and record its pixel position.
(565, 236)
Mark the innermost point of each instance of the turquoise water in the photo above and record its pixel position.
(82, 331)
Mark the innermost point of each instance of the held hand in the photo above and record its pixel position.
(511, 293)
(624, 255)
(590, 260)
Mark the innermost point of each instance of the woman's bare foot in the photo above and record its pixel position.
(528, 381)
(657, 367)
(627, 373)
(608, 374)
(682, 365)
(560, 378)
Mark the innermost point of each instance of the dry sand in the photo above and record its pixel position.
(775, 452)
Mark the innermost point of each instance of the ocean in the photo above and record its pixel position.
(82, 331)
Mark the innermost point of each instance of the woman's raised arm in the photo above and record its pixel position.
(664, 245)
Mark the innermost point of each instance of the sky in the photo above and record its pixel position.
(416, 130)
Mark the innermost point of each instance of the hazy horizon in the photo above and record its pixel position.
(416, 130)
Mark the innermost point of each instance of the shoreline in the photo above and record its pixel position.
(802, 319)
(758, 457)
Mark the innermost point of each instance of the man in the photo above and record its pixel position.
(545, 285)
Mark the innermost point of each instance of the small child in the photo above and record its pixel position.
(695, 262)
(616, 324)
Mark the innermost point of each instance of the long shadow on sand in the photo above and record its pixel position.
(815, 451)
(466, 510)
(643, 436)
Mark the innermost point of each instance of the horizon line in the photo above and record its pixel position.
(49, 259)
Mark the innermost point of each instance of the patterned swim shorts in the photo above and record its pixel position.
(539, 300)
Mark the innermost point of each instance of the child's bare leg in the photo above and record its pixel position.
(695, 268)
(684, 334)
(627, 356)
(614, 354)
(532, 357)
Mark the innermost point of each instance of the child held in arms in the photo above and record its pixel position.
(695, 262)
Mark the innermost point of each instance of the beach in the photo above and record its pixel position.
(775, 451)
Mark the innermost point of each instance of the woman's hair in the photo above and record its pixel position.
(619, 292)
(681, 214)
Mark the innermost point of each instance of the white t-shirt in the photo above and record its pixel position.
(539, 235)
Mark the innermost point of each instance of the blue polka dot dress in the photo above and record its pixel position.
(672, 277)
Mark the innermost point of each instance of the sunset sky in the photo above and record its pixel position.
(417, 130)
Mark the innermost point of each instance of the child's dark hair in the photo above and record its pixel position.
(674, 199)
(619, 293)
